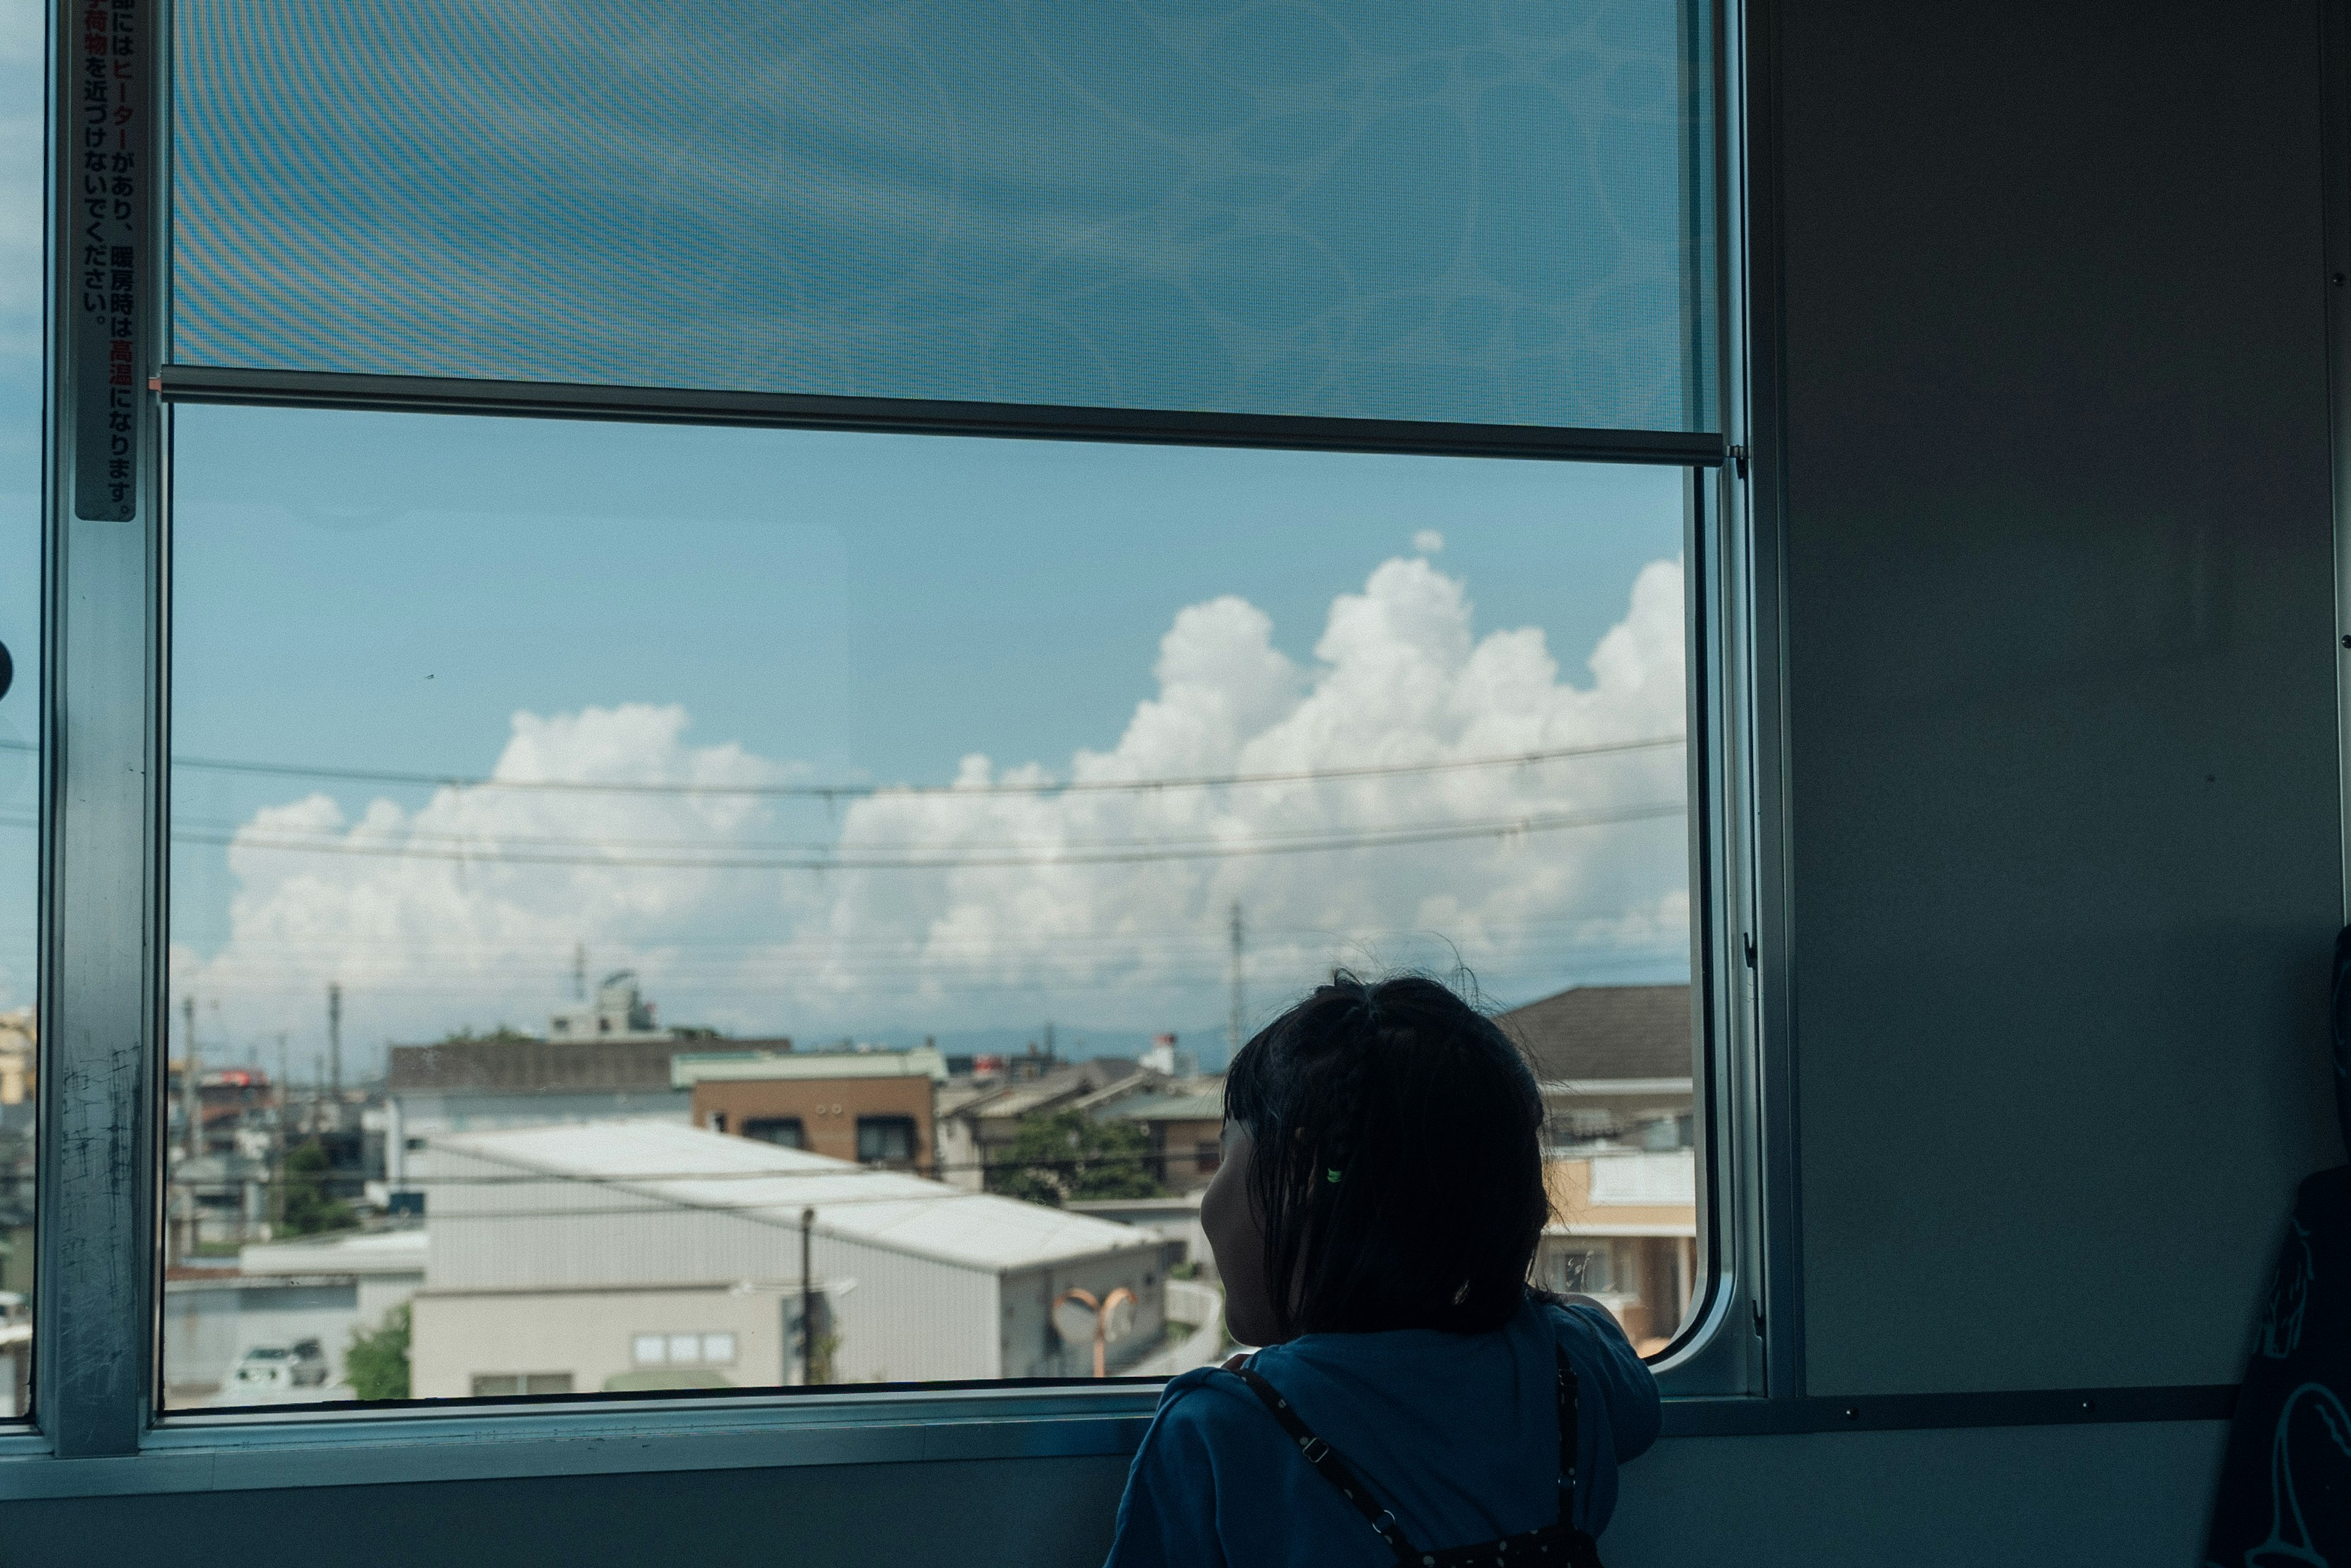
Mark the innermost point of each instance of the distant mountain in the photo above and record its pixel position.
(1071, 1042)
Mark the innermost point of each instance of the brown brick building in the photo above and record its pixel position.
(874, 1106)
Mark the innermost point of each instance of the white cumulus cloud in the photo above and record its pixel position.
(1097, 904)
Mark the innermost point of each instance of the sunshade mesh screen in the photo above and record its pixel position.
(1479, 210)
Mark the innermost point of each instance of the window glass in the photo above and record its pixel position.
(1451, 210)
(561, 811)
(786, 1131)
(888, 1138)
(22, 139)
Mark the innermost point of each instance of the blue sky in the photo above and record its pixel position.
(876, 605)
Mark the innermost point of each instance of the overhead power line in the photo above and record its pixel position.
(493, 843)
(1541, 823)
(848, 791)
(787, 944)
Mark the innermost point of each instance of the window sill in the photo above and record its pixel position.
(361, 1448)
(340, 1448)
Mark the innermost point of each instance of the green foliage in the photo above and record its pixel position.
(1067, 1155)
(376, 1364)
(821, 1355)
(505, 1034)
(308, 1210)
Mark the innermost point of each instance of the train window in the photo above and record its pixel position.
(21, 661)
(1449, 211)
(777, 904)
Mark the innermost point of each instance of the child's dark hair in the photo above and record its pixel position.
(1396, 1163)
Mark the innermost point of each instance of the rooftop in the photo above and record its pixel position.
(1199, 1105)
(359, 1253)
(689, 1067)
(1062, 1086)
(1605, 1033)
(695, 1169)
(541, 1066)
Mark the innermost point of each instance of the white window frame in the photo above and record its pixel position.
(98, 1427)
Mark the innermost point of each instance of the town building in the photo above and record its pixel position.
(977, 1120)
(559, 1254)
(875, 1107)
(20, 1039)
(1167, 1057)
(1616, 1063)
(1186, 1127)
(618, 1012)
(474, 1085)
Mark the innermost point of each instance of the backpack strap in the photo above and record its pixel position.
(1333, 1469)
(1567, 1430)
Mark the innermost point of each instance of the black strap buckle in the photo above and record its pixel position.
(1314, 1448)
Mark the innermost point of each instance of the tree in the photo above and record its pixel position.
(376, 1364)
(505, 1034)
(1067, 1155)
(308, 1209)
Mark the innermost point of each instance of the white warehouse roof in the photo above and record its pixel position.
(368, 1252)
(715, 1172)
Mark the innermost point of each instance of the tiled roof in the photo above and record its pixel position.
(1601, 1033)
(1056, 1091)
(1206, 1105)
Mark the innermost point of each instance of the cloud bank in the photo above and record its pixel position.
(1100, 905)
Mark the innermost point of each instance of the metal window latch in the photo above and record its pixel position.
(1739, 460)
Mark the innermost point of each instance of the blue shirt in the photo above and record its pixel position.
(1458, 1434)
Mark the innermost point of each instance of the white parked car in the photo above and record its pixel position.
(265, 1368)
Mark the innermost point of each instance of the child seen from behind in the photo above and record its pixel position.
(1418, 1402)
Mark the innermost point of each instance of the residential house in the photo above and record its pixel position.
(977, 1120)
(1616, 1066)
(1185, 1120)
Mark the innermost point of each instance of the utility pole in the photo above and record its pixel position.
(192, 1111)
(335, 1046)
(285, 1127)
(191, 1097)
(580, 971)
(1233, 1024)
(808, 1301)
